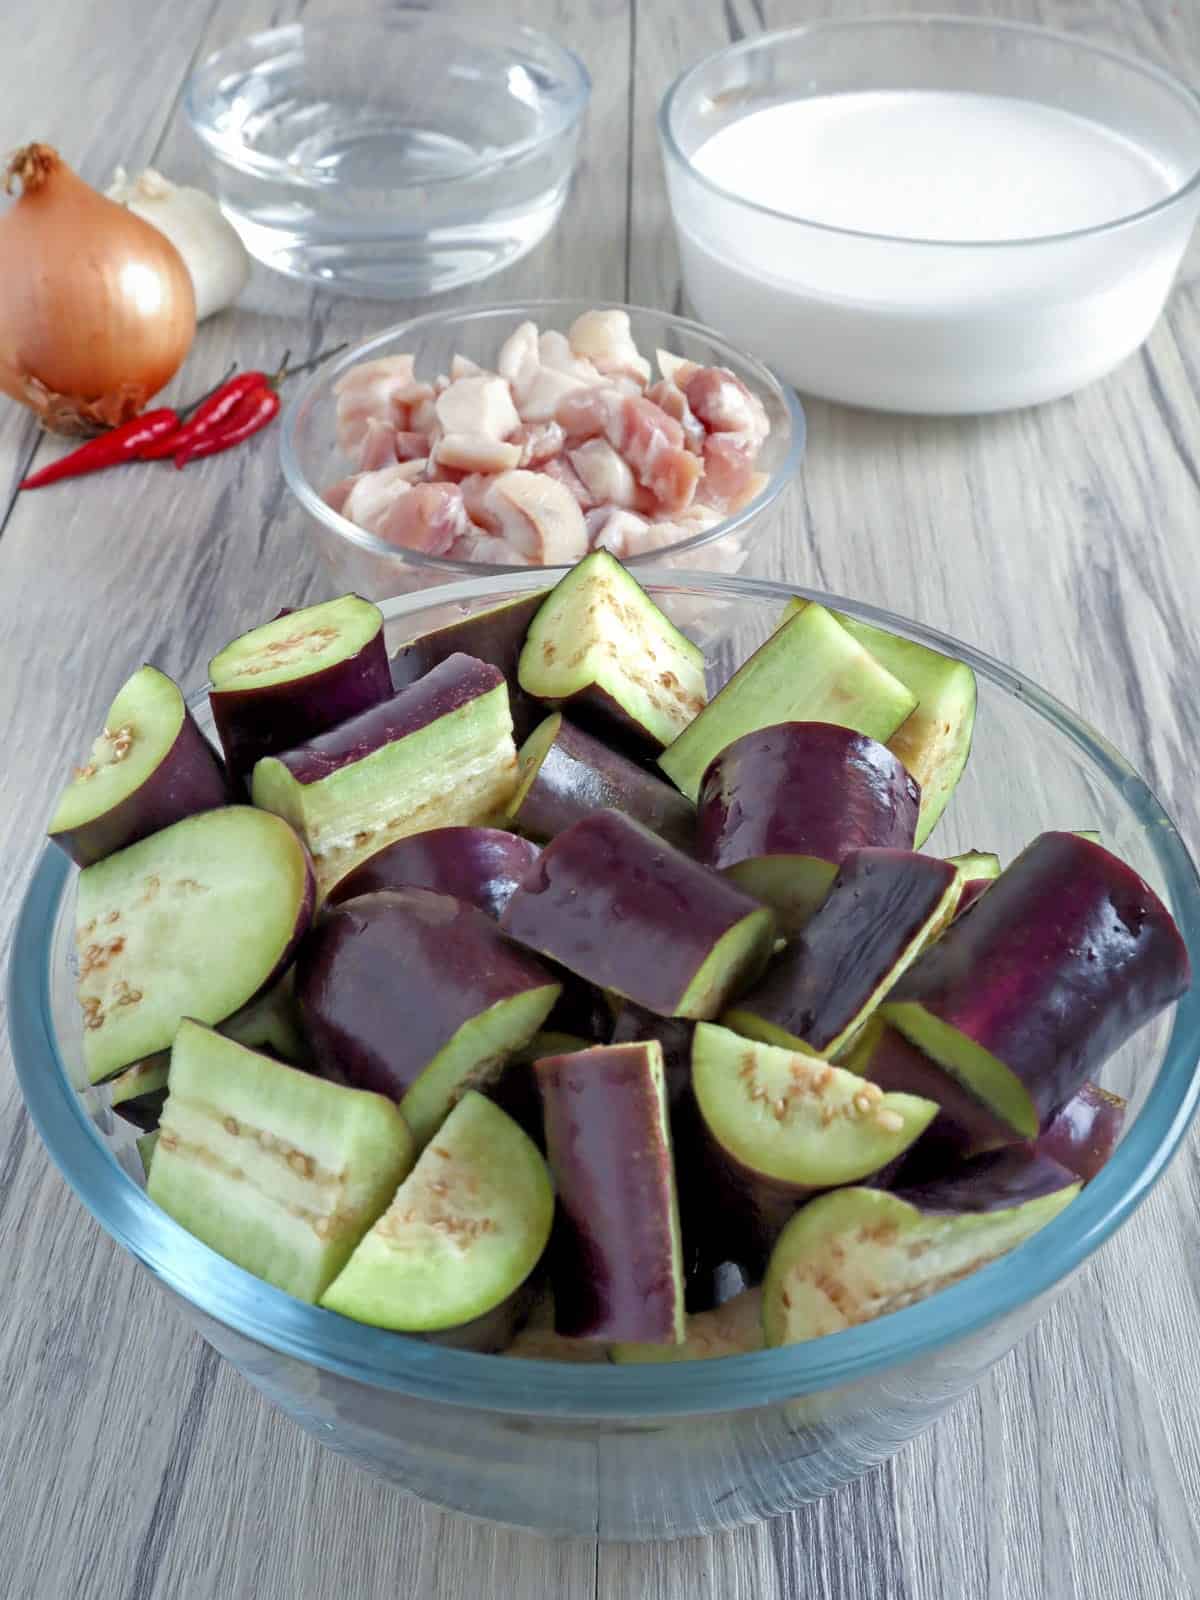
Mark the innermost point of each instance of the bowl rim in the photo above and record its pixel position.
(574, 75)
(923, 22)
(230, 1296)
(523, 310)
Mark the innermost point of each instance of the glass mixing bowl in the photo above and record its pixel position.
(876, 316)
(370, 566)
(391, 156)
(653, 1452)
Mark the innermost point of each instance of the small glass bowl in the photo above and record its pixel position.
(920, 325)
(375, 569)
(641, 1452)
(393, 156)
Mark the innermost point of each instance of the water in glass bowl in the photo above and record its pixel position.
(395, 157)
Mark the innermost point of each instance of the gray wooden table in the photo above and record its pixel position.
(132, 1465)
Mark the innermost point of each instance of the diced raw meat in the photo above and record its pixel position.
(539, 516)
(385, 389)
(378, 448)
(675, 369)
(422, 417)
(605, 339)
(476, 545)
(475, 452)
(415, 471)
(539, 441)
(464, 367)
(541, 397)
(480, 404)
(674, 402)
(725, 405)
(606, 475)
(650, 441)
(615, 529)
(337, 494)
(555, 352)
(728, 472)
(411, 446)
(560, 469)
(424, 516)
(519, 360)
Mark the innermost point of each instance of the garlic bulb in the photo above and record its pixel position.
(216, 257)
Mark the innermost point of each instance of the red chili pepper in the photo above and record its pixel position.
(255, 411)
(108, 449)
(209, 417)
(219, 410)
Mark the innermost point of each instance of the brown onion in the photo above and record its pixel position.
(97, 310)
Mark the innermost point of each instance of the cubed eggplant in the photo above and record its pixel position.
(885, 905)
(496, 636)
(732, 1329)
(464, 1232)
(273, 1168)
(1065, 957)
(779, 1125)
(296, 676)
(537, 1340)
(615, 1261)
(856, 1254)
(1083, 1135)
(977, 870)
(620, 907)
(146, 1147)
(271, 1022)
(151, 766)
(600, 648)
(809, 670)
(963, 1127)
(566, 773)
(633, 1024)
(192, 921)
(439, 753)
(782, 807)
(480, 865)
(139, 1094)
(934, 741)
(417, 996)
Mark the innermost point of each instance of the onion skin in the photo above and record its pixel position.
(98, 311)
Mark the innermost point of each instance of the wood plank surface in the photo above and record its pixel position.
(134, 1465)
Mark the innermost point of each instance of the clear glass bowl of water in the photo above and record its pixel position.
(639, 1452)
(393, 156)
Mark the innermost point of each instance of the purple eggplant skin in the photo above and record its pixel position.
(143, 1111)
(580, 1009)
(385, 981)
(879, 901)
(496, 636)
(482, 866)
(1083, 1135)
(971, 891)
(189, 778)
(634, 1025)
(579, 774)
(613, 1257)
(256, 722)
(619, 906)
(448, 687)
(806, 789)
(993, 1182)
(1065, 957)
(964, 1126)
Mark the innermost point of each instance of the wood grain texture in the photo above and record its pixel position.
(134, 1465)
